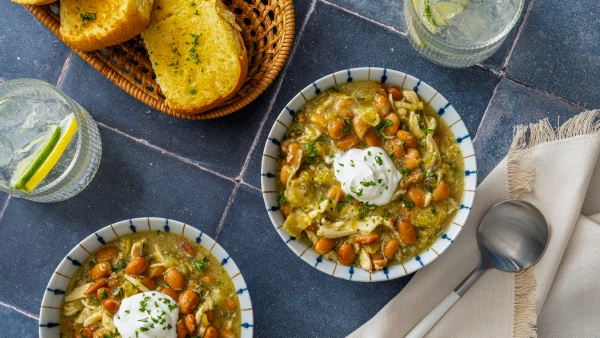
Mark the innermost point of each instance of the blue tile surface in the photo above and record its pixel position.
(559, 49)
(27, 47)
(387, 12)
(289, 297)
(513, 104)
(469, 90)
(132, 181)
(15, 324)
(220, 144)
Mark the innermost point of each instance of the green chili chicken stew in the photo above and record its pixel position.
(369, 175)
(151, 284)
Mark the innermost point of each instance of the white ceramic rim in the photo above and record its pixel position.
(427, 94)
(55, 291)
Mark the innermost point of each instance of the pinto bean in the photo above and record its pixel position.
(171, 293)
(158, 271)
(208, 279)
(414, 177)
(396, 93)
(348, 142)
(324, 245)
(95, 286)
(101, 270)
(188, 301)
(366, 239)
(371, 139)
(412, 159)
(406, 231)
(187, 247)
(182, 330)
(111, 305)
(149, 283)
(393, 128)
(382, 104)
(102, 293)
(410, 141)
(319, 120)
(394, 148)
(224, 333)
(284, 174)
(335, 128)
(360, 126)
(417, 195)
(377, 261)
(343, 108)
(229, 304)
(347, 254)
(294, 154)
(210, 332)
(390, 248)
(107, 253)
(175, 279)
(190, 323)
(441, 191)
(286, 209)
(137, 266)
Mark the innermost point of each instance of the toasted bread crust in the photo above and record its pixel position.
(34, 2)
(126, 27)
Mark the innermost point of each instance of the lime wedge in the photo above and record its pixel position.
(68, 127)
(29, 165)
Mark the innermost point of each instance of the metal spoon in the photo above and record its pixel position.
(512, 236)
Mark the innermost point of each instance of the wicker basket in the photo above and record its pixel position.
(267, 30)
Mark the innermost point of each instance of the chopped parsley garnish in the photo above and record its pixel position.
(199, 265)
(379, 160)
(428, 131)
(358, 193)
(421, 124)
(341, 164)
(312, 151)
(387, 123)
(193, 91)
(409, 205)
(405, 171)
(282, 199)
(367, 184)
(352, 163)
(87, 16)
(433, 211)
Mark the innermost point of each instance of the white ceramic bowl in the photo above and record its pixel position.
(53, 297)
(404, 81)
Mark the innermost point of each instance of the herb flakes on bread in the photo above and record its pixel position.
(92, 24)
(197, 53)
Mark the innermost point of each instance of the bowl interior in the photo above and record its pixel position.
(53, 296)
(404, 81)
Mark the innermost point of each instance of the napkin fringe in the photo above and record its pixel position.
(520, 180)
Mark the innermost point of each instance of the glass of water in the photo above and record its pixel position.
(459, 33)
(50, 147)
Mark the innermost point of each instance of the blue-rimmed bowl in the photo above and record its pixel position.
(53, 297)
(404, 81)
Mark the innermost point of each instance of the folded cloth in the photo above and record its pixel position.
(558, 171)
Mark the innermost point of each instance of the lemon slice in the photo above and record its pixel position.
(441, 12)
(423, 9)
(33, 169)
(68, 127)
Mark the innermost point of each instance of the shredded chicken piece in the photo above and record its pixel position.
(433, 149)
(201, 320)
(347, 228)
(413, 124)
(136, 283)
(78, 293)
(94, 317)
(365, 260)
(410, 96)
(137, 249)
(72, 308)
(158, 254)
(83, 316)
(107, 321)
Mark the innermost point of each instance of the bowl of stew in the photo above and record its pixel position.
(368, 174)
(147, 277)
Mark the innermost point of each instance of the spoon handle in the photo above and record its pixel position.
(438, 312)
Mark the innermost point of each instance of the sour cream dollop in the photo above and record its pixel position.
(367, 174)
(147, 315)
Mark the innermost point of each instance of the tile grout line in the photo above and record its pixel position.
(19, 311)
(165, 152)
(519, 31)
(530, 86)
(229, 202)
(390, 28)
(276, 92)
(250, 186)
(64, 69)
(4, 207)
(487, 108)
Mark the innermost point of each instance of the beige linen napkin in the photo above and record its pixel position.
(558, 171)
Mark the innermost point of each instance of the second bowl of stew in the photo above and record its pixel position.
(368, 174)
(147, 277)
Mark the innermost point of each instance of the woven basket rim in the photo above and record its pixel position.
(266, 80)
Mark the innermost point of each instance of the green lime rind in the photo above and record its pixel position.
(43, 155)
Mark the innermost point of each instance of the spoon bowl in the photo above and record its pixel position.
(512, 236)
